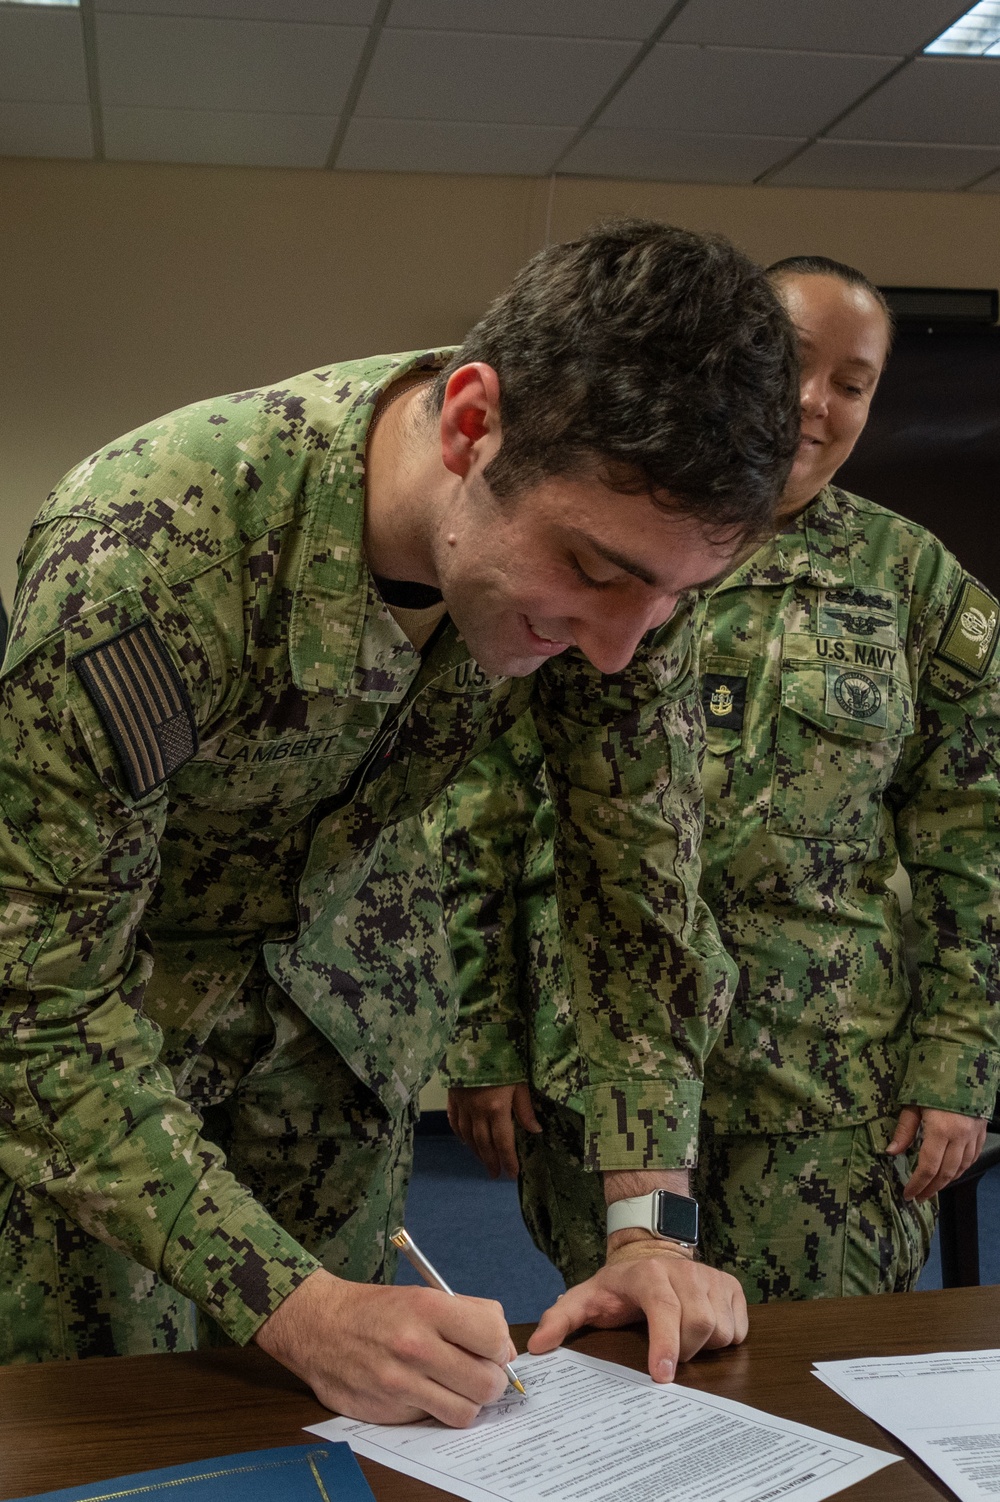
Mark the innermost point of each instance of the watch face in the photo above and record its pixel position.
(677, 1217)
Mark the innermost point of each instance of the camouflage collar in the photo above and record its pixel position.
(332, 609)
(813, 545)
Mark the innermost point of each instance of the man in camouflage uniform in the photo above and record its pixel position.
(851, 686)
(248, 640)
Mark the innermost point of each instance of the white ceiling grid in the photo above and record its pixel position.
(830, 93)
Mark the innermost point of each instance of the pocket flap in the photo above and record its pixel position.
(851, 702)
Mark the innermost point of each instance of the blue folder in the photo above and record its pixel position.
(319, 1472)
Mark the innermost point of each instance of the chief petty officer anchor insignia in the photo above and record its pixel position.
(721, 701)
(724, 697)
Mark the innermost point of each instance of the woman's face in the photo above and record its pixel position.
(843, 343)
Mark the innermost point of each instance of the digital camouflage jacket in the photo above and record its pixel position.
(494, 827)
(208, 718)
(851, 690)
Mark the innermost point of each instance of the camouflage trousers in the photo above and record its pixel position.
(792, 1216)
(313, 1145)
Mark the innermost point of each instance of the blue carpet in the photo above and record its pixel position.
(470, 1227)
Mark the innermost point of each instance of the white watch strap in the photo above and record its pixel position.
(640, 1210)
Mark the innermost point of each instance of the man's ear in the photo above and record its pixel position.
(470, 418)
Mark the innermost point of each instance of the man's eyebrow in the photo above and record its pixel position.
(628, 565)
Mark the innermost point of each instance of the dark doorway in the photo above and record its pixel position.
(932, 446)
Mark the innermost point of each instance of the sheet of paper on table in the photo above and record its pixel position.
(591, 1428)
(945, 1407)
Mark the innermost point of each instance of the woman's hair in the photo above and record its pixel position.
(824, 266)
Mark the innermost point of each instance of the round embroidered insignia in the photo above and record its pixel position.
(858, 695)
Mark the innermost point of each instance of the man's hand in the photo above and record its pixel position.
(950, 1143)
(482, 1116)
(688, 1307)
(391, 1355)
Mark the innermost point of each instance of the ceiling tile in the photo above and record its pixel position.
(225, 138)
(580, 18)
(951, 99)
(327, 12)
(41, 56)
(451, 146)
(885, 164)
(887, 26)
(448, 75)
(989, 184)
(726, 90)
(45, 130)
(676, 156)
(164, 62)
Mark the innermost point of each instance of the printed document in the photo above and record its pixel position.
(591, 1429)
(946, 1407)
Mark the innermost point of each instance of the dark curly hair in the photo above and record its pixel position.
(657, 358)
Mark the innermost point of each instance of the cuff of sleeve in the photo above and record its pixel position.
(640, 1124)
(241, 1268)
(946, 1077)
(485, 1055)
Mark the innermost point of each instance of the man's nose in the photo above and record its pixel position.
(610, 638)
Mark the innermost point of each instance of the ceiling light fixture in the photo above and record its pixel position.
(976, 34)
(61, 4)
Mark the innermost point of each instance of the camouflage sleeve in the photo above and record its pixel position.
(946, 797)
(87, 1113)
(650, 980)
(482, 822)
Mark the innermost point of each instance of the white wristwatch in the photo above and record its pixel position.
(670, 1217)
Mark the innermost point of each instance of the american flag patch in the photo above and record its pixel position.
(143, 705)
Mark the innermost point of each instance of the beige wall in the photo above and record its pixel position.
(126, 290)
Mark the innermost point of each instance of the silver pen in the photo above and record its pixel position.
(402, 1239)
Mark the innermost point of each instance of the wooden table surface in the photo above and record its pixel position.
(62, 1424)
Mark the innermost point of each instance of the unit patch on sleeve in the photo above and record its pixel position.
(970, 637)
(724, 697)
(143, 705)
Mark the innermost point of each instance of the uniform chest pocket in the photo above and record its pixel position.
(840, 733)
(235, 771)
(281, 781)
(451, 721)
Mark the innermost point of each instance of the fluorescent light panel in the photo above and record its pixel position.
(62, 4)
(976, 34)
